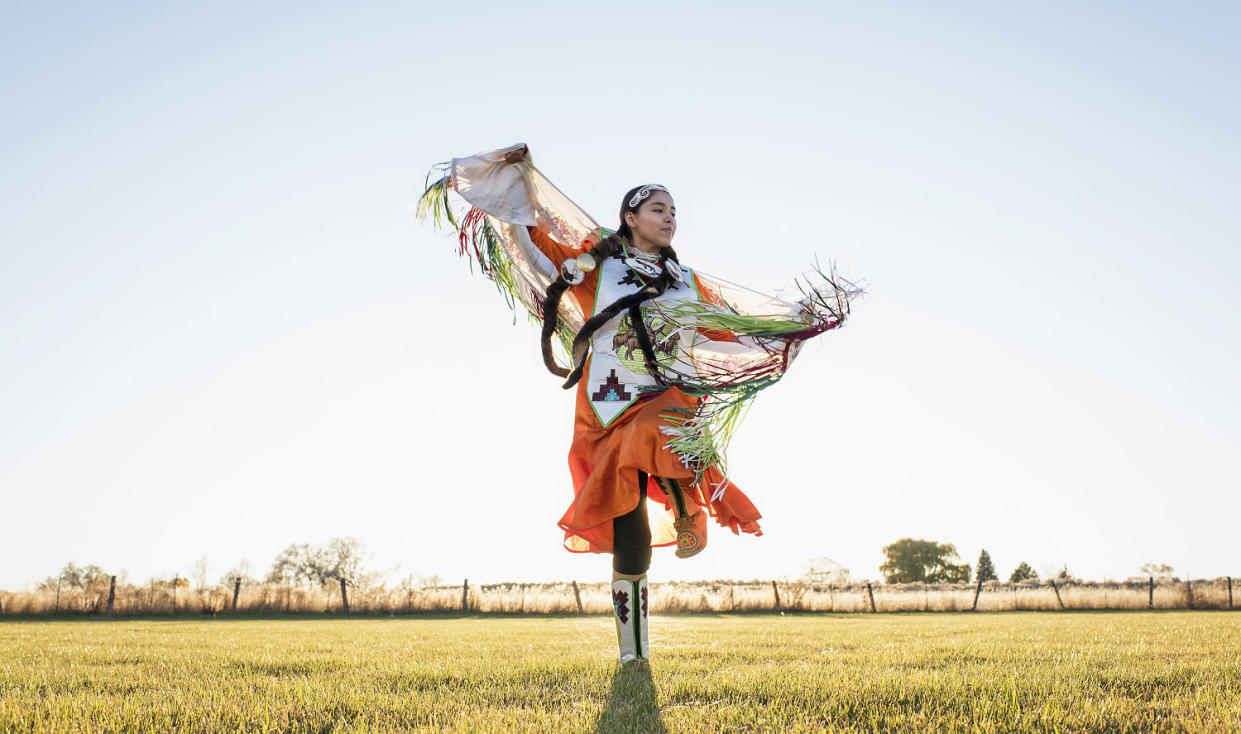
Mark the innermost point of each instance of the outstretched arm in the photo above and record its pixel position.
(554, 251)
(706, 295)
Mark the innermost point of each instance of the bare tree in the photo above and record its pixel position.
(300, 563)
(241, 570)
(824, 570)
(199, 572)
(1161, 571)
(73, 576)
(341, 558)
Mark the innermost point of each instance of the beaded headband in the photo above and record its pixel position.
(644, 192)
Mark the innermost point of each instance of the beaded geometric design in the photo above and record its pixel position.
(630, 278)
(611, 390)
(620, 603)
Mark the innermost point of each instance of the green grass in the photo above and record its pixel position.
(1088, 671)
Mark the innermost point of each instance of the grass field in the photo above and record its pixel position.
(1071, 671)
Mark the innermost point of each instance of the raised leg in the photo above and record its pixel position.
(689, 541)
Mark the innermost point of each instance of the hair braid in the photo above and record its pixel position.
(607, 247)
(631, 303)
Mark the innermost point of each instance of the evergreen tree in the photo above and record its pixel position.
(1023, 572)
(986, 569)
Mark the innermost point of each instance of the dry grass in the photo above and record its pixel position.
(667, 598)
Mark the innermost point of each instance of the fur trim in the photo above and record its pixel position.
(551, 316)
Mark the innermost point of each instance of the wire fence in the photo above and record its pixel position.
(674, 597)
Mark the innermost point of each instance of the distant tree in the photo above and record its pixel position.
(302, 563)
(824, 570)
(94, 576)
(986, 569)
(958, 573)
(1064, 575)
(1161, 571)
(199, 573)
(69, 576)
(240, 571)
(430, 581)
(347, 558)
(1023, 572)
(910, 560)
(78, 577)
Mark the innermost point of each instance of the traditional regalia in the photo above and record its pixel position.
(664, 359)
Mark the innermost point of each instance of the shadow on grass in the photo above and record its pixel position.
(631, 704)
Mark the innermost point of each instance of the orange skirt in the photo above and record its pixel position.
(605, 463)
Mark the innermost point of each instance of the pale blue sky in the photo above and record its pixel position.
(225, 333)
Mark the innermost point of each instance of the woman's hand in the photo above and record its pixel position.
(517, 156)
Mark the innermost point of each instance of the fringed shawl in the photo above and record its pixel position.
(506, 198)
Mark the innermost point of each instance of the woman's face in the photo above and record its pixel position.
(655, 221)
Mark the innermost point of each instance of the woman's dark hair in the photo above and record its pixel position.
(611, 244)
(623, 230)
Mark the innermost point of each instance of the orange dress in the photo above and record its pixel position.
(609, 450)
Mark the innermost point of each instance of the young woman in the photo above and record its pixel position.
(664, 360)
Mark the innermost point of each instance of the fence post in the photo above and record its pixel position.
(871, 593)
(1150, 594)
(776, 591)
(465, 595)
(56, 610)
(1230, 592)
(1189, 594)
(344, 599)
(174, 593)
(577, 595)
(523, 599)
(1057, 590)
(111, 594)
(977, 593)
(236, 591)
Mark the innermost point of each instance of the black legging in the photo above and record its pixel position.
(631, 536)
